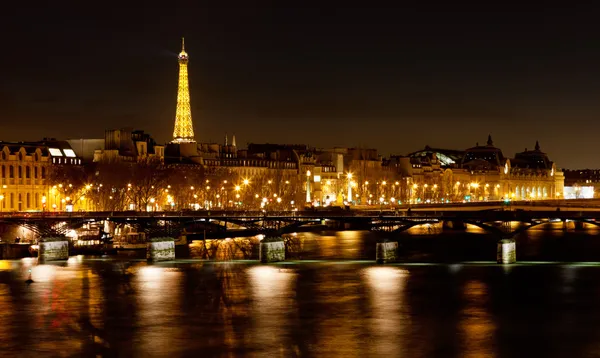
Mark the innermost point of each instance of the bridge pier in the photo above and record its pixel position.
(53, 248)
(272, 250)
(507, 251)
(386, 252)
(160, 249)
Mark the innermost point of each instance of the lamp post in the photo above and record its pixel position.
(308, 186)
(349, 176)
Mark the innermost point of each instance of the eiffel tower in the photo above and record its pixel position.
(184, 129)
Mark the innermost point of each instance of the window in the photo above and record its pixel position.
(11, 172)
(12, 200)
(3, 172)
(55, 152)
(69, 153)
(35, 172)
(28, 202)
(20, 171)
(43, 172)
(27, 173)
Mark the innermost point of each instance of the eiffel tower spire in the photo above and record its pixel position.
(184, 129)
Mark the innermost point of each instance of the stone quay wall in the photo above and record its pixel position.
(52, 249)
(160, 249)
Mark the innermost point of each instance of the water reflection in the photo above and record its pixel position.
(476, 325)
(272, 298)
(390, 319)
(158, 311)
(339, 306)
(108, 307)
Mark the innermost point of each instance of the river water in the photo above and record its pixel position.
(447, 299)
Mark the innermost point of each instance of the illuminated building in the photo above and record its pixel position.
(478, 173)
(582, 183)
(184, 129)
(25, 170)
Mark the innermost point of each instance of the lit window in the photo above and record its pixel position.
(55, 152)
(69, 153)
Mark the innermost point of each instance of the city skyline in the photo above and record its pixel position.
(327, 79)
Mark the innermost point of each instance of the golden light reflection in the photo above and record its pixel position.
(389, 319)
(158, 289)
(5, 265)
(272, 298)
(476, 325)
(43, 273)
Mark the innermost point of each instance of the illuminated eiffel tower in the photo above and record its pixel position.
(184, 129)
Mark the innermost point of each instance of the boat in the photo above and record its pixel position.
(91, 243)
(132, 241)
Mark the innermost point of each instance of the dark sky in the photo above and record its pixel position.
(391, 78)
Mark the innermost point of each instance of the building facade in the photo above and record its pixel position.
(25, 172)
(479, 173)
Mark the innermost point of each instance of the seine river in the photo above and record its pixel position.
(448, 299)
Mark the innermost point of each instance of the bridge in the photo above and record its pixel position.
(495, 218)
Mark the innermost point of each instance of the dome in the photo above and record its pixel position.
(534, 159)
(483, 157)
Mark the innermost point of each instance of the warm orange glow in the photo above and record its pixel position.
(184, 130)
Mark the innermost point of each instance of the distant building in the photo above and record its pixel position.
(478, 173)
(25, 169)
(128, 145)
(582, 183)
(86, 148)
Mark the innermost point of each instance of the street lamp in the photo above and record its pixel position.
(308, 186)
(349, 176)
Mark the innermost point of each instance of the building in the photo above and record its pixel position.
(25, 172)
(582, 183)
(478, 173)
(127, 145)
(86, 148)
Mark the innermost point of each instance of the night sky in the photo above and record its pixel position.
(395, 79)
